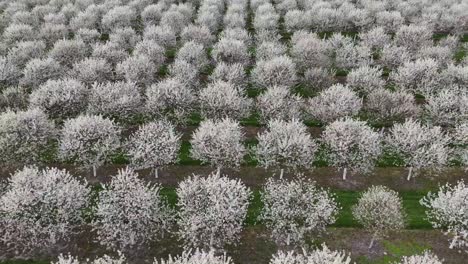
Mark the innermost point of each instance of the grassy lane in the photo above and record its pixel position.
(346, 199)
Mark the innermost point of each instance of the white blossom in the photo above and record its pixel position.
(197, 257)
(448, 106)
(308, 50)
(116, 99)
(365, 79)
(38, 71)
(426, 257)
(230, 50)
(199, 34)
(67, 52)
(385, 105)
(91, 70)
(323, 255)
(41, 208)
(88, 36)
(60, 98)
(285, 144)
(279, 71)
(170, 98)
(152, 14)
(394, 56)
(223, 99)
(24, 51)
(413, 36)
(268, 50)
(420, 146)
(419, 76)
(278, 102)
(333, 103)
(150, 49)
(375, 38)
(25, 136)
(461, 141)
(351, 144)
(119, 17)
(10, 74)
(211, 211)
(89, 140)
(193, 53)
(18, 32)
(139, 69)
(319, 78)
(233, 73)
(379, 210)
(154, 145)
(448, 210)
(125, 38)
(105, 259)
(14, 98)
(109, 51)
(130, 213)
(218, 143)
(163, 35)
(296, 210)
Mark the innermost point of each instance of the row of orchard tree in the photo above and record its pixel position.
(41, 209)
(347, 144)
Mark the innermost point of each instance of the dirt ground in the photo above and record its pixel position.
(255, 247)
(392, 177)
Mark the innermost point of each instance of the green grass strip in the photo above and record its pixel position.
(415, 212)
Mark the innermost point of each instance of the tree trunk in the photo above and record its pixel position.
(281, 173)
(218, 171)
(409, 173)
(345, 171)
(372, 241)
(211, 239)
(156, 172)
(94, 171)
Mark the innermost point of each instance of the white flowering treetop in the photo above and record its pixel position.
(448, 210)
(218, 143)
(461, 142)
(60, 98)
(448, 107)
(351, 144)
(365, 79)
(279, 70)
(420, 76)
(333, 103)
(419, 146)
(197, 257)
(130, 213)
(170, 98)
(295, 210)
(115, 99)
(230, 51)
(89, 140)
(106, 259)
(25, 136)
(426, 257)
(224, 99)
(386, 105)
(277, 102)
(154, 145)
(285, 144)
(41, 208)
(323, 255)
(379, 210)
(212, 210)
(233, 73)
